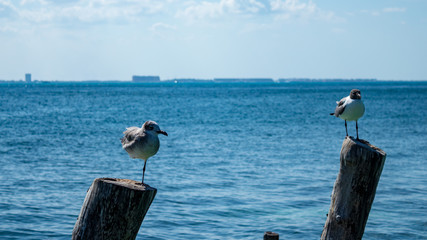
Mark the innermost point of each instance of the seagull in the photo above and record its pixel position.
(350, 108)
(142, 142)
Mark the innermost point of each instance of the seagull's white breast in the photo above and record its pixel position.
(145, 148)
(354, 109)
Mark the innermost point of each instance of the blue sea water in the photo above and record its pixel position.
(240, 159)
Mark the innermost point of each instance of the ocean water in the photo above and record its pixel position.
(240, 159)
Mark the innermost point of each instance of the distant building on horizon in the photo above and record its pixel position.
(28, 77)
(145, 79)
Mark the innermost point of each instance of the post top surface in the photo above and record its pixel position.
(128, 183)
(363, 143)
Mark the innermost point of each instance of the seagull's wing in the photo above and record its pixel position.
(131, 135)
(130, 129)
(340, 107)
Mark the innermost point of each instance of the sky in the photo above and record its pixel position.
(115, 39)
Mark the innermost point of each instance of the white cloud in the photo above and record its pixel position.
(376, 13)
(293, 6)
(162, 26)
(371, 12)
(84, 10)
(8, 29)
(288, 9)
(205, 9)
(41, 2)
(38, 15)
(95, 11)
(7, 4)
(208, 9)
(282, 9)
(163, 31)
(91, 13)
(255, 6)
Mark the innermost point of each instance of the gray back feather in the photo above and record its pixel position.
(131, 135)
(340, 107)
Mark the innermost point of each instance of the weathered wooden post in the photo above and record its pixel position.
(113, 209)
(271, 236)
(361, 165)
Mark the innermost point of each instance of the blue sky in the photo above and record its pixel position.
(115, 39)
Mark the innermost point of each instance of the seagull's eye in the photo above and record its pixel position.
(150, 127)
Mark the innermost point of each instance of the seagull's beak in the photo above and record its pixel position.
(162, 132)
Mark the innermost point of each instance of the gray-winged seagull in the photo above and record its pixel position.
(350, 108)
(142, 142)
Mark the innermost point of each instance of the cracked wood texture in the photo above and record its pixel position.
(113, 209)
(361, 165)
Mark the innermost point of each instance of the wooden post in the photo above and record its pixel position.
(271, 236)
(361, 165)
(113, 209)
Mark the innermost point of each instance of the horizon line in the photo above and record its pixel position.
(230, 80)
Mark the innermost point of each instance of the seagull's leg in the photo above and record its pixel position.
(346, 132)
(143, 171)
(357, 131)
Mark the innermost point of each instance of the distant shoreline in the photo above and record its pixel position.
(217, 80)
